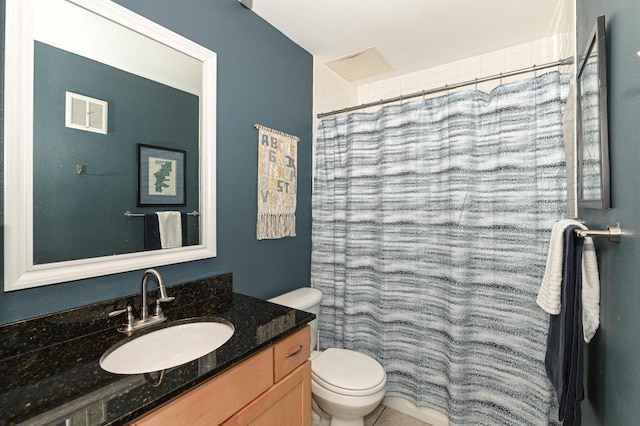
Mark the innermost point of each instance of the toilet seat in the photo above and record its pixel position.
(348, 372)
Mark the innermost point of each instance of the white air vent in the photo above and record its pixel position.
(357, 65)
(84, 113)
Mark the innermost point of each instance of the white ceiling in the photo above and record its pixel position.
(410, 34)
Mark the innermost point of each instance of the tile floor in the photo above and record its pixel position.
(385, 416)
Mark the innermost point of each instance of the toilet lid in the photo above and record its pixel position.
(348, 370)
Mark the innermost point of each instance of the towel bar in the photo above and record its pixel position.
(613, 233)
(129, 215)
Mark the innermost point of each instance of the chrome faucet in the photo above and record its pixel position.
(145, 319)
(157, 312)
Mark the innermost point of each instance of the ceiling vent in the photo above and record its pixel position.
(362, 64)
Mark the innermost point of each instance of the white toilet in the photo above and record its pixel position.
(346, 384)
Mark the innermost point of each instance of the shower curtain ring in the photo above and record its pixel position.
(476, 85)
(501, 79)
(535, 71)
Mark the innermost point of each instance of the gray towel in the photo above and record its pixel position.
(564, 359)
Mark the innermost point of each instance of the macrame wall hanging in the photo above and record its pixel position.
(277, 184)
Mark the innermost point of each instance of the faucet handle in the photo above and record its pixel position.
(157, 310)
(128, 310)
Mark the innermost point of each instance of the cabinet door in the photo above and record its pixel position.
(287, 403)
(214, 401)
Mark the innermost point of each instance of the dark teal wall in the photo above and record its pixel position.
(81, 216)
(263, 77)
(612, 375)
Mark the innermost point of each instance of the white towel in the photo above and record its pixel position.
(590, 290)
(549, 294)
(170, 225)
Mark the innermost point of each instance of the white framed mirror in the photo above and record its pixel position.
(112, 36)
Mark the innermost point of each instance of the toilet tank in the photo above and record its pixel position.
(304, 299)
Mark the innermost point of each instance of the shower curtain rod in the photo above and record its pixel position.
(565, 61)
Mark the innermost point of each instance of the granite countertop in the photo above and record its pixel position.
(49, 366)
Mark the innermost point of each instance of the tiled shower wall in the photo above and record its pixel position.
(489, 64)
(332, 92)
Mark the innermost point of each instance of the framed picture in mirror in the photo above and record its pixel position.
(161, 176)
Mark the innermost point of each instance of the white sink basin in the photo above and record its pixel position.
(167, 347)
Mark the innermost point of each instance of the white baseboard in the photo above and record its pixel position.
(424, 414)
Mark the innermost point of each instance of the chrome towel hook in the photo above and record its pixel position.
(613, 233)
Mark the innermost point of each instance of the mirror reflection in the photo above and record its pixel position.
(592, 123)
(84, 180)
(590, 111)
(91, 83)
(81, 215)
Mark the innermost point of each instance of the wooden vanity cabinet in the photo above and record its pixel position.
(287, 403)
(270, 388)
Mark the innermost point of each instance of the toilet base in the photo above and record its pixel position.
(345, 410)
(318, 416)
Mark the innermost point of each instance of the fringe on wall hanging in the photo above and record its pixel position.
(277, 184)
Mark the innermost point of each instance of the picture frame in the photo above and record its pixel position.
(161, 176)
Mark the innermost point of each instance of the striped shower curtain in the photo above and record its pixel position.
(430, 229)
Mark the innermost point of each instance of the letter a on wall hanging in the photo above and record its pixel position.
(277, 184)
